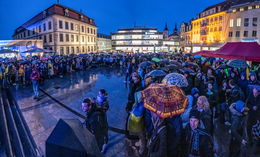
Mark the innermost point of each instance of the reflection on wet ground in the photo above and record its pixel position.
(43, 115)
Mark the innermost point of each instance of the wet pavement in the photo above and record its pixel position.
(43, 115)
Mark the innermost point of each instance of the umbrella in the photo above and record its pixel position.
(175, 79)
(156, 59)
(197, 56)
(187, 70)
(145, 64)
(3, 51)
(187, 55)
(251, 87)
(156, 73)
(192, 64)
(165, 100)
(176, 63)
(237, 63)
(223, 66)
(70, 138)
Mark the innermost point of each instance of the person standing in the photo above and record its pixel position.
(35, 76)
(95, 122)
(196, 142)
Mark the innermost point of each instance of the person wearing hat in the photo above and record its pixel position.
(253, 79)
(196, 142)
(238, 111)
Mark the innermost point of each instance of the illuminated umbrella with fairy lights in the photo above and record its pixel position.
(165, 100)
(176, 79)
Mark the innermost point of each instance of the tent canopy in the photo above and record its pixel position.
(249, 51)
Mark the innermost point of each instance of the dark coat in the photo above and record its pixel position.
(243, 85)
(174, 131)
(96, 123)
(157, 145)
(205, 143)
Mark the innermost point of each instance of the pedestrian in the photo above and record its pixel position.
(196, 142)
(35, 76)
(157, 144)
(238, 128)
(96, 122)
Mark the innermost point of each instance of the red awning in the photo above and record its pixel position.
(249, 51)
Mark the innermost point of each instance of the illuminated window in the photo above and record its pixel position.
(249, 7)
(231, 23)
(238, 22)
(234, 10)
(241, 9)
(257, 6)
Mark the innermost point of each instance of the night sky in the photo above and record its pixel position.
(109, 15)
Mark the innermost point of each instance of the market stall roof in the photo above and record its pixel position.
(249, 51)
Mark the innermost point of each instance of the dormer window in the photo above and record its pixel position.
(66, 12)
(44, 14)
(81, 17)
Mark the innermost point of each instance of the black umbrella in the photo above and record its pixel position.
(176, 63)
(223, 66)
(192, 64)
(69, 138)
(237, 63)
(145, 64)
(156, 73)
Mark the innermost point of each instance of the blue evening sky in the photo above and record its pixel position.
(109, 15)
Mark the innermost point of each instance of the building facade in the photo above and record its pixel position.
(219, 24)
(137, 39)
(104, 43)
(244, 22)
(63, 30)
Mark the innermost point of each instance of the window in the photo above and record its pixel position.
(255, 21)
(230, 34)
(50, 38)
(40, 29)
(44, 39)
(77, 38)
(66, 25)
(254, 33)
(94, 31)
(245, 33)
(216, 18)
(68, 50)
(72, 38)
(220, 18)
(49, 25)
(72, 49)
(76, 27)
(231, 23)
(91, 31)
(88, 39)
(82, 28)
(61, 24)
(215, 29)
(220, 28)
(237, 33)
(238, 22)
(71, 26)
(24, 34)
(33, 32)
(61, 38)
(246, 22)
(82, 38)
(67, 38)
(83, 49)
(61, 50)
(28, 33)
(44, 27)
(88, 30)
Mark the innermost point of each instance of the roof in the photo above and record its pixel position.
(100, 35)
(249, 51)
(137, 28)
(57, 9)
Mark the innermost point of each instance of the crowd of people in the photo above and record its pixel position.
(216, 92)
